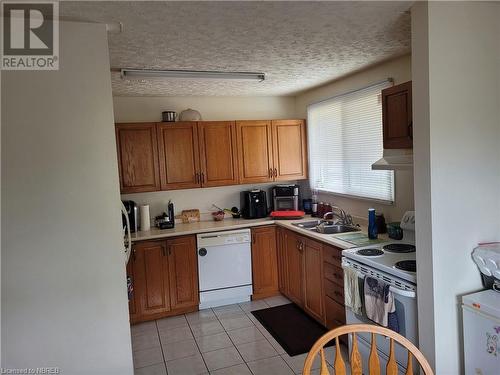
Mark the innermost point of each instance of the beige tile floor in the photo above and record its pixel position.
(223, 340)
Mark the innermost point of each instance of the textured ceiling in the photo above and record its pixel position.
(298, 45)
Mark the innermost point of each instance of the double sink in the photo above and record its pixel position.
(326, 227)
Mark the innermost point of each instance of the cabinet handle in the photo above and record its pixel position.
(202, 177)
(164, 251)
(410, 130)
(270, 173)
(196, 178)
(275, 172)
(133, 253)
(253, 239)
(170, 250)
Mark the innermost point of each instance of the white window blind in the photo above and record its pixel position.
(345, 138)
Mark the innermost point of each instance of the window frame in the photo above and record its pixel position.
(346, 195)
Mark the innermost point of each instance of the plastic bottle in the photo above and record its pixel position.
(372, 224)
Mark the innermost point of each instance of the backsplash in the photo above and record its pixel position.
(202, 199)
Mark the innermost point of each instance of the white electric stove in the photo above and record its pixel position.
(392, 262)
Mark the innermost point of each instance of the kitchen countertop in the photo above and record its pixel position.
(230, 224)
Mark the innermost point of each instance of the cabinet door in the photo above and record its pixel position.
(183, 271)
(295, 270)
(133, 302)
(282, 270)
(151, 280)
(179, 155)
(397, 116)
(264, 262)
(137, 157)
(254, 151)
(313, 279)
(289, 150)
(218, 153)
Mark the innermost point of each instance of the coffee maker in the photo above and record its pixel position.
(254, 204)
(132, 212)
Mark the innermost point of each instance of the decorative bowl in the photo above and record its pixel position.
(190, 115)
(218, 215)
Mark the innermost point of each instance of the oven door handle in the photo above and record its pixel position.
(401, 292)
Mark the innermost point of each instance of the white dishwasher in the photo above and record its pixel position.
(224, 267)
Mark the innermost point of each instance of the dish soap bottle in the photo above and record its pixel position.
(372, 224)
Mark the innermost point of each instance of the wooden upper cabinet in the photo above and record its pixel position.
(185, 155)
(137, 157)
(264, 262)
(183, 271)
(397, 116)
(289, 150)
(313, 279)
(218, 153)
(254, 151)
(150, 264)
(179, 155)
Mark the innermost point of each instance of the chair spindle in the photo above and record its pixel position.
(324, 366)
(409, 364)
(392, 367)
(356, 363)
(339, 364)
(374, 362)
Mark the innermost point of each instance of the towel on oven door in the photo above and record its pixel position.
(351, 291)
(379, 303)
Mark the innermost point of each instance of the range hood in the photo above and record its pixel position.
(395, 160)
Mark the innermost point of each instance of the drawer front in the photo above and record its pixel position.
(332, 255)
(334, 274)
(335, 313)
(334, 291)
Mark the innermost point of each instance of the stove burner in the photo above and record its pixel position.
(407, 265)
(370, 252)
(399, 248)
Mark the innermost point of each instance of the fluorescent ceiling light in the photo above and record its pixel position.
(189, 74)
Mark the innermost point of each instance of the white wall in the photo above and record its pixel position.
(64, 299)
(400, 70)
(457, 162)
(422, 176)
(128, 108)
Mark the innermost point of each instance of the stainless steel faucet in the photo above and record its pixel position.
(342, 216)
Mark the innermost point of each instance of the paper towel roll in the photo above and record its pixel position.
(145, 220)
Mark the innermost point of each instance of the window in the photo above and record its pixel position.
(345, 138)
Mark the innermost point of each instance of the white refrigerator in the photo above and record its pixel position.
(481, 324)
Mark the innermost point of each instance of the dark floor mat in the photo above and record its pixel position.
(294, 330)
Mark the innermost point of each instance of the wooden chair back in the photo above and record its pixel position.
(355, 357)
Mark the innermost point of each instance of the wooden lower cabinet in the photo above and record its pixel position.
(313, 280)
(164, 276)
(294, 259)
(333, 285)
(183, 272)
(282, 269)
(310, 274)
(151, 282)
(264, 262)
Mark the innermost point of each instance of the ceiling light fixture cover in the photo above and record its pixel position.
(190, 74)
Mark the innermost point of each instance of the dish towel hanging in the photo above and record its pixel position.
(351, 291)
(379, 303)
